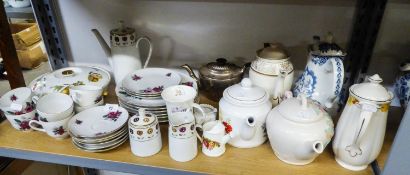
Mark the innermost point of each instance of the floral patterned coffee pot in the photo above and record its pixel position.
(124, 55)
(322, 79)
(361, 127)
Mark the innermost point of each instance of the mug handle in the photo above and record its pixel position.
(150, 49)
(197, 106)
(31, 124)
(196, 133)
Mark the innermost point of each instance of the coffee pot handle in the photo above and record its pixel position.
(338, 75)
(149, 51)
(201, 110)
(367, 111)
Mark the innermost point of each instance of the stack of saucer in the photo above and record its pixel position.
(99, 129)
(142, 89)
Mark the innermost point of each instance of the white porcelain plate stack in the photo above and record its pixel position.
(99, 128)
(142, 89)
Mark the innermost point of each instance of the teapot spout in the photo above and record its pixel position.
(318, 147)
(249, 128)
(191, 73)
(104, 45)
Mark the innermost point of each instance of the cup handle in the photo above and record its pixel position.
(197, 106)
(197, 134)
(35, 99)
(33, 124)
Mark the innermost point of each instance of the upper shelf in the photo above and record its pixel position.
(26, 12)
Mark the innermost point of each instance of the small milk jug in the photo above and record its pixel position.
(322, 79)
(362, 125)
(124, 55)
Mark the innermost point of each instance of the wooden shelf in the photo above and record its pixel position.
(261, 160)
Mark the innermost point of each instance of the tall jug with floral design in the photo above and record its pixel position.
(322, 79)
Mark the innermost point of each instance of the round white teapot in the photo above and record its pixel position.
(243, 110)
(299, 130)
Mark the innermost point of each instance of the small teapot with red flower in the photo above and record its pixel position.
(215, 135)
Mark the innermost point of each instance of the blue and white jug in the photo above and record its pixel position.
(322, 79)
(402, 84)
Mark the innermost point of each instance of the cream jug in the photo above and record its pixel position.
(273, 71)
(362, 125)
(322, 79)
(123, 56)
(214, 138)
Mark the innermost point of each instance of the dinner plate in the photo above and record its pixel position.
(101, 145)
(101, 149)
(150, 80)
(97, 122)
(119, 133)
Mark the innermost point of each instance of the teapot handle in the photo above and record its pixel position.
(338, 75)
(150, 49)
(367, 111)
(278, 90)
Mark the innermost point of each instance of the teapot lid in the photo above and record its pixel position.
(372, 90)
(327, 47)
(122, 30)
(142, 118)
(301, 109)
(221, 69)
(273, 51)
(245, 93)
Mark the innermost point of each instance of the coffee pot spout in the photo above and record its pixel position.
(191, 73)
(104, 45)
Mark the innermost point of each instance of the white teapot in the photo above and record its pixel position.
(299, 130)
(361, 127)
(243, 110)
(322, 79)
(123, 56)
(273, 71)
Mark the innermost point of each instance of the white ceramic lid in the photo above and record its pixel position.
(142, 119)
(300, 109)
(97, 122)
(372, 90)
(80, 75)
(245, 93)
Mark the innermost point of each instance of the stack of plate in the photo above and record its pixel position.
(142, 89)
(100, 128)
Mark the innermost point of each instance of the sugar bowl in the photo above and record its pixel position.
(145, 135)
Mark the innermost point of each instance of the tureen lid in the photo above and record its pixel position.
(220, 69)
(142, 118)
(301, 109)
(371, 90)
(122, 30)
(245, 93)
(327, 47)
(273, 51)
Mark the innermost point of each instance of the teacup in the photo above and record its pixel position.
(214, 138)
(86, 95)
(78, 108)
(54, 107)
(21, 122)
(17, 99)
(55, 129)
(180, 98)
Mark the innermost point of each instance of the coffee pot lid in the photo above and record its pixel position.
(220, 69)
(143, 118)
(301, 109)
(372, 90)
(245, 93)
(273, 51)
(327, 47)
(122, 30)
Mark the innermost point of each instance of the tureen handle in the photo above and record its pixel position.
(149, 51)
(338, 75)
